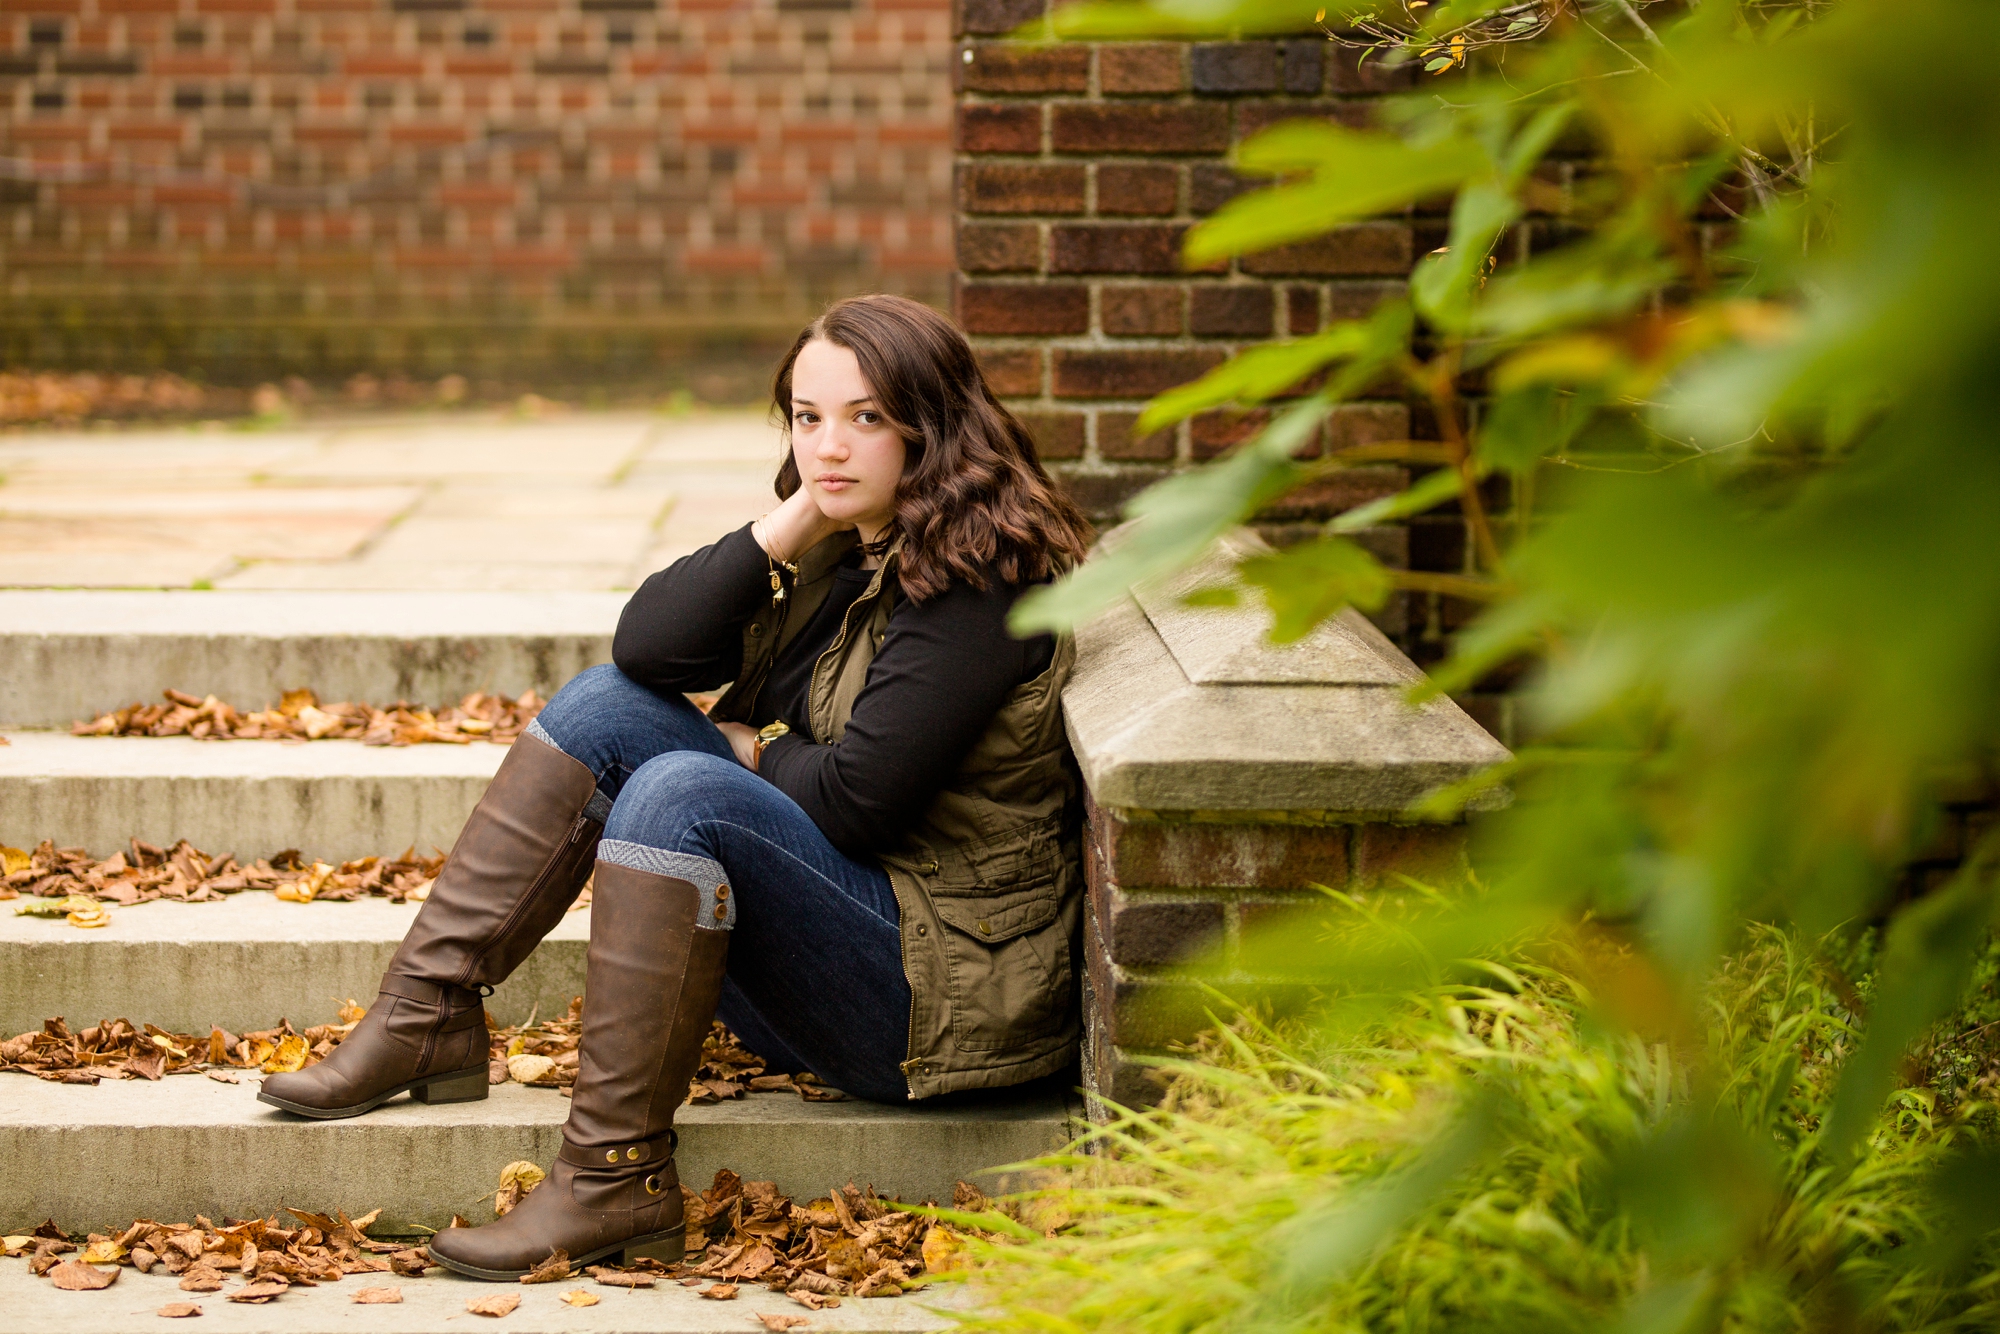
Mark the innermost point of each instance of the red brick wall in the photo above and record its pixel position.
(1080, 169)
(294, 185)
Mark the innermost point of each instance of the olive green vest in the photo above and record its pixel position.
(989, 880)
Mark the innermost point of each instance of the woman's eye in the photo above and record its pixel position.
(867, 418)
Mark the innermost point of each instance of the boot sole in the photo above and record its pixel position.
(668, 1247)
(467, 1085)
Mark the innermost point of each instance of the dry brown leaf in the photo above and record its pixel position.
(496, 1306)
(618, 1278)
(16, 1245)
(812, 1301)
(76, 1276)
(516, 1180)
(178, 1310)
(578, 1297)
(552, 1270)
(720, 1292)
(410, 1263)
(202, 1278)
(379, 1296)
(262, 1291)
(779, 1321)
(525, 1069)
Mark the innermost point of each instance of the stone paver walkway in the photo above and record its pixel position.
(467, 501)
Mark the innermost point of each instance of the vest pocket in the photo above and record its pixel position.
(1007, 965)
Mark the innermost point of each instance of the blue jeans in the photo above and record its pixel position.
(815, 977)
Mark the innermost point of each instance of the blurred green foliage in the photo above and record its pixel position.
(1752, 498)
(1482, 1159)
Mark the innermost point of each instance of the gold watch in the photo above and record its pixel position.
(769, 733)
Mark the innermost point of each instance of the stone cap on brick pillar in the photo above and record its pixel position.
(1182, 709)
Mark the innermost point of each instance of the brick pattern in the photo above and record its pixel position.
(1162, 892)
(1080, 170)
(592, 174)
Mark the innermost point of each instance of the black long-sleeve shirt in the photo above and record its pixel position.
(943, 670)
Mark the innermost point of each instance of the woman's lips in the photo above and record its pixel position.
(833, 481)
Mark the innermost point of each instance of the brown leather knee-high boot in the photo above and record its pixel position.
(517, 866)
(658, 947)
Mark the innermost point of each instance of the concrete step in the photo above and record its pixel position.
(335, 800)
(70, 655)
(99, 1157)
(35, 1306)
(242, 963)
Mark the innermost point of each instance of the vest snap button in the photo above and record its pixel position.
(756, 630)
(923, 930)
(930, 868)
(986, 928)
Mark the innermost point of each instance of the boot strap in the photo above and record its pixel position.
(430, 993)
(658, 1149)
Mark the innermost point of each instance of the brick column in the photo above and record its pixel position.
(1080, 169)
(1227, 778)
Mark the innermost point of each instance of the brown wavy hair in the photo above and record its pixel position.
(974, 502)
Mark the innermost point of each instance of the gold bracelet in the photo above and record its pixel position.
(763, 539)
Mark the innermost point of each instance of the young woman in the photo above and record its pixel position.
(863, 857)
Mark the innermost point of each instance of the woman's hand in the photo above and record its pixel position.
(742, 740)
(796, 526)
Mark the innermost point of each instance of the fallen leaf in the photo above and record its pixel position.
(944, 1251)
(496, 1306)
(379, 1296)
(552, 1270)
(775, 1320)
(221, 1078)
(290, 1055)
(76, 1276)
(721, 1292)
(618, 1278)
(516, 1180)
(14, 859)
(578, 1297)
(178, 1310)
(202, 1278)
(102, 1252)
(531, 1069)
(94, 916)
(262, 1291)
(16, 1245)
(410, 1263)
(812, 1301)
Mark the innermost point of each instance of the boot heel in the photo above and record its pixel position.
(467, 1087)
(669, 1251)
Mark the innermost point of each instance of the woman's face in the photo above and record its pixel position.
(849, 457)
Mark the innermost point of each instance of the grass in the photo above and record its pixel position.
(1494, 1158)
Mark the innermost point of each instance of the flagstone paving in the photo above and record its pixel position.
(580, 501)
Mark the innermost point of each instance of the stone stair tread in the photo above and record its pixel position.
(66, 654)
(189, 1145)
(36, 1306)
(332, 799)
(242, 963)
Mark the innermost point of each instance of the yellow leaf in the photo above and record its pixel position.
(13, 859)
(943, 1251)
(526, 1175)
(289, 1055)
(296, 702)
(93, 916)
(16, 1245)
(516, 1046)
(578, 1297)
(530, 1069)
(103, 1253)
(302, 891)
